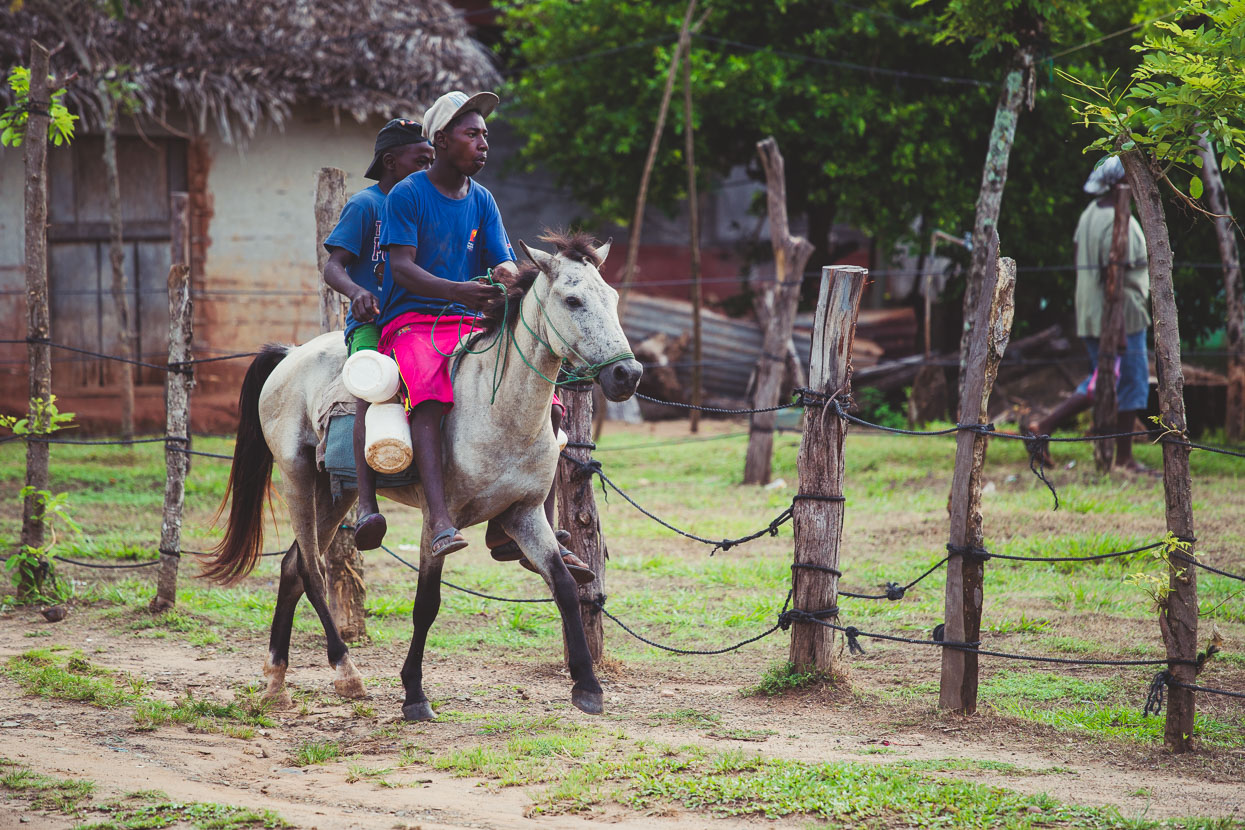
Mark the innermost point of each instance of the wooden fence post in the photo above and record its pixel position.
(177, 403)
(966, 574)
(818, 517)
(693, 211)
(577, 509)
(343, 561)
(791, 253)
(1178, 616)
(38, 327)
(1111, 332)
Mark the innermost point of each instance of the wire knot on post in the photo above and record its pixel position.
(852, 633)
(822, 568)
(1154, 699)
(176, 554)
(969, 552)
(895, 591)
(810, 397)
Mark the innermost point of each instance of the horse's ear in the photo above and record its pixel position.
(543, 260)
(604, 250)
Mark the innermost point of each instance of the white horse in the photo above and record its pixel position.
(499, 452)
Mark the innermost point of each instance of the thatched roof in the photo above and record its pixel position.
(235, 64)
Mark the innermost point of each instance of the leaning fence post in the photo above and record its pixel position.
(37, 326)
(577, 509)
(342, 559)
(1111, 333)
(178, 383)
(965, 570)
(817, 512)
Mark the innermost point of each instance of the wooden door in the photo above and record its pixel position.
(83, 312)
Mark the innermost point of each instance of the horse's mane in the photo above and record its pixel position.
(576, 246)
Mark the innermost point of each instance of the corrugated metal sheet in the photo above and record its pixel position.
(732, 346)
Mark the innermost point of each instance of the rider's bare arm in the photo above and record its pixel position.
(418, 281)
(363, 303)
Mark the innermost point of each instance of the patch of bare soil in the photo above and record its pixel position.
(75, 740)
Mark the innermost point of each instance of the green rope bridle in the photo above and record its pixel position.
(570, 374)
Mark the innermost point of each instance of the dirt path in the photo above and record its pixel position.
(75, 740)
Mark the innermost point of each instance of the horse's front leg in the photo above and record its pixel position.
(415, 706)
(531, 530)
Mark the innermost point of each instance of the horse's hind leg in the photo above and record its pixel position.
(288, 595)
(315, 520)
(415, 705)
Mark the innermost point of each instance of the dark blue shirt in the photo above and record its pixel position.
(454, 239)
(358, 231)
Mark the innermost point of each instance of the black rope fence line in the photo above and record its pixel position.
(1165, 679)
(593, 467)
(177, 367)
(144, 564)
(719, 410)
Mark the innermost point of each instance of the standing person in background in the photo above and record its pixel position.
(1093, 256)
(356, 270)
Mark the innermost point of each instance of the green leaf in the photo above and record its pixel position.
(1195, 187)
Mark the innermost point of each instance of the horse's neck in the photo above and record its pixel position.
(522, 398)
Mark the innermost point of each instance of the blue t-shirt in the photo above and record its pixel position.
(358, 231)
(454, 239)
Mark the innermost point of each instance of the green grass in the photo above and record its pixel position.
(44, 792)
(782, 678)
(310, 753)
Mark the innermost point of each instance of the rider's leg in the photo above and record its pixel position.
(426, 442)
(371, 526)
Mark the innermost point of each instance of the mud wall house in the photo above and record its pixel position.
(239, 104)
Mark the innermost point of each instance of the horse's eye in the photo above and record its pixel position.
(574, 302)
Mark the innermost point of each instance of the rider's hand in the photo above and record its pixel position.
(364, 307)
(475, 295)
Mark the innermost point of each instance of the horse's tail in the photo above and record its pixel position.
(249, 480)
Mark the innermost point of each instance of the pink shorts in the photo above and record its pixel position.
(425, 370)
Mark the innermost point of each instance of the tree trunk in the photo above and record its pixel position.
(35, 151)
(1111, 332)
(790, 255)
(693, 210)
(116, 261)
(1178, 616)
(637, 219)
(1016, 91)
(1225, 229)
(342, 560)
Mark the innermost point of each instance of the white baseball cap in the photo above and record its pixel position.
(450, 105)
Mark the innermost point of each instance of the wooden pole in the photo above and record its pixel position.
(1017, 89)
(343, 562)
(818, 517)
(637, 218)
(1111, 332)
(1233, 290)
(693, 210)
(1178, 616)
(38, 327)
(791, 253)
(577, 509)
(966, 574)
(177, 402)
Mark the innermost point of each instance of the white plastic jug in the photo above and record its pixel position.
(563, 439)
(371, 376)
(388, 448)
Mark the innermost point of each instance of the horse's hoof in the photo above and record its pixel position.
(592, 703)
(350, 688)
(278, 701)
(418, 711)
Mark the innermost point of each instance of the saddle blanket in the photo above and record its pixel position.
(339, 457)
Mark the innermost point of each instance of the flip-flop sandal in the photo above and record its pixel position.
(510, 552)
(369, 531)
(506, 552)
(448, 541)
(580, 572)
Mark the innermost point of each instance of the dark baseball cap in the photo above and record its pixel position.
(397, 133)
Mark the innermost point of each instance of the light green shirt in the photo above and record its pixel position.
(1093, 253)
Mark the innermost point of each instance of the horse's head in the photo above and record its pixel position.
(580, 312)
